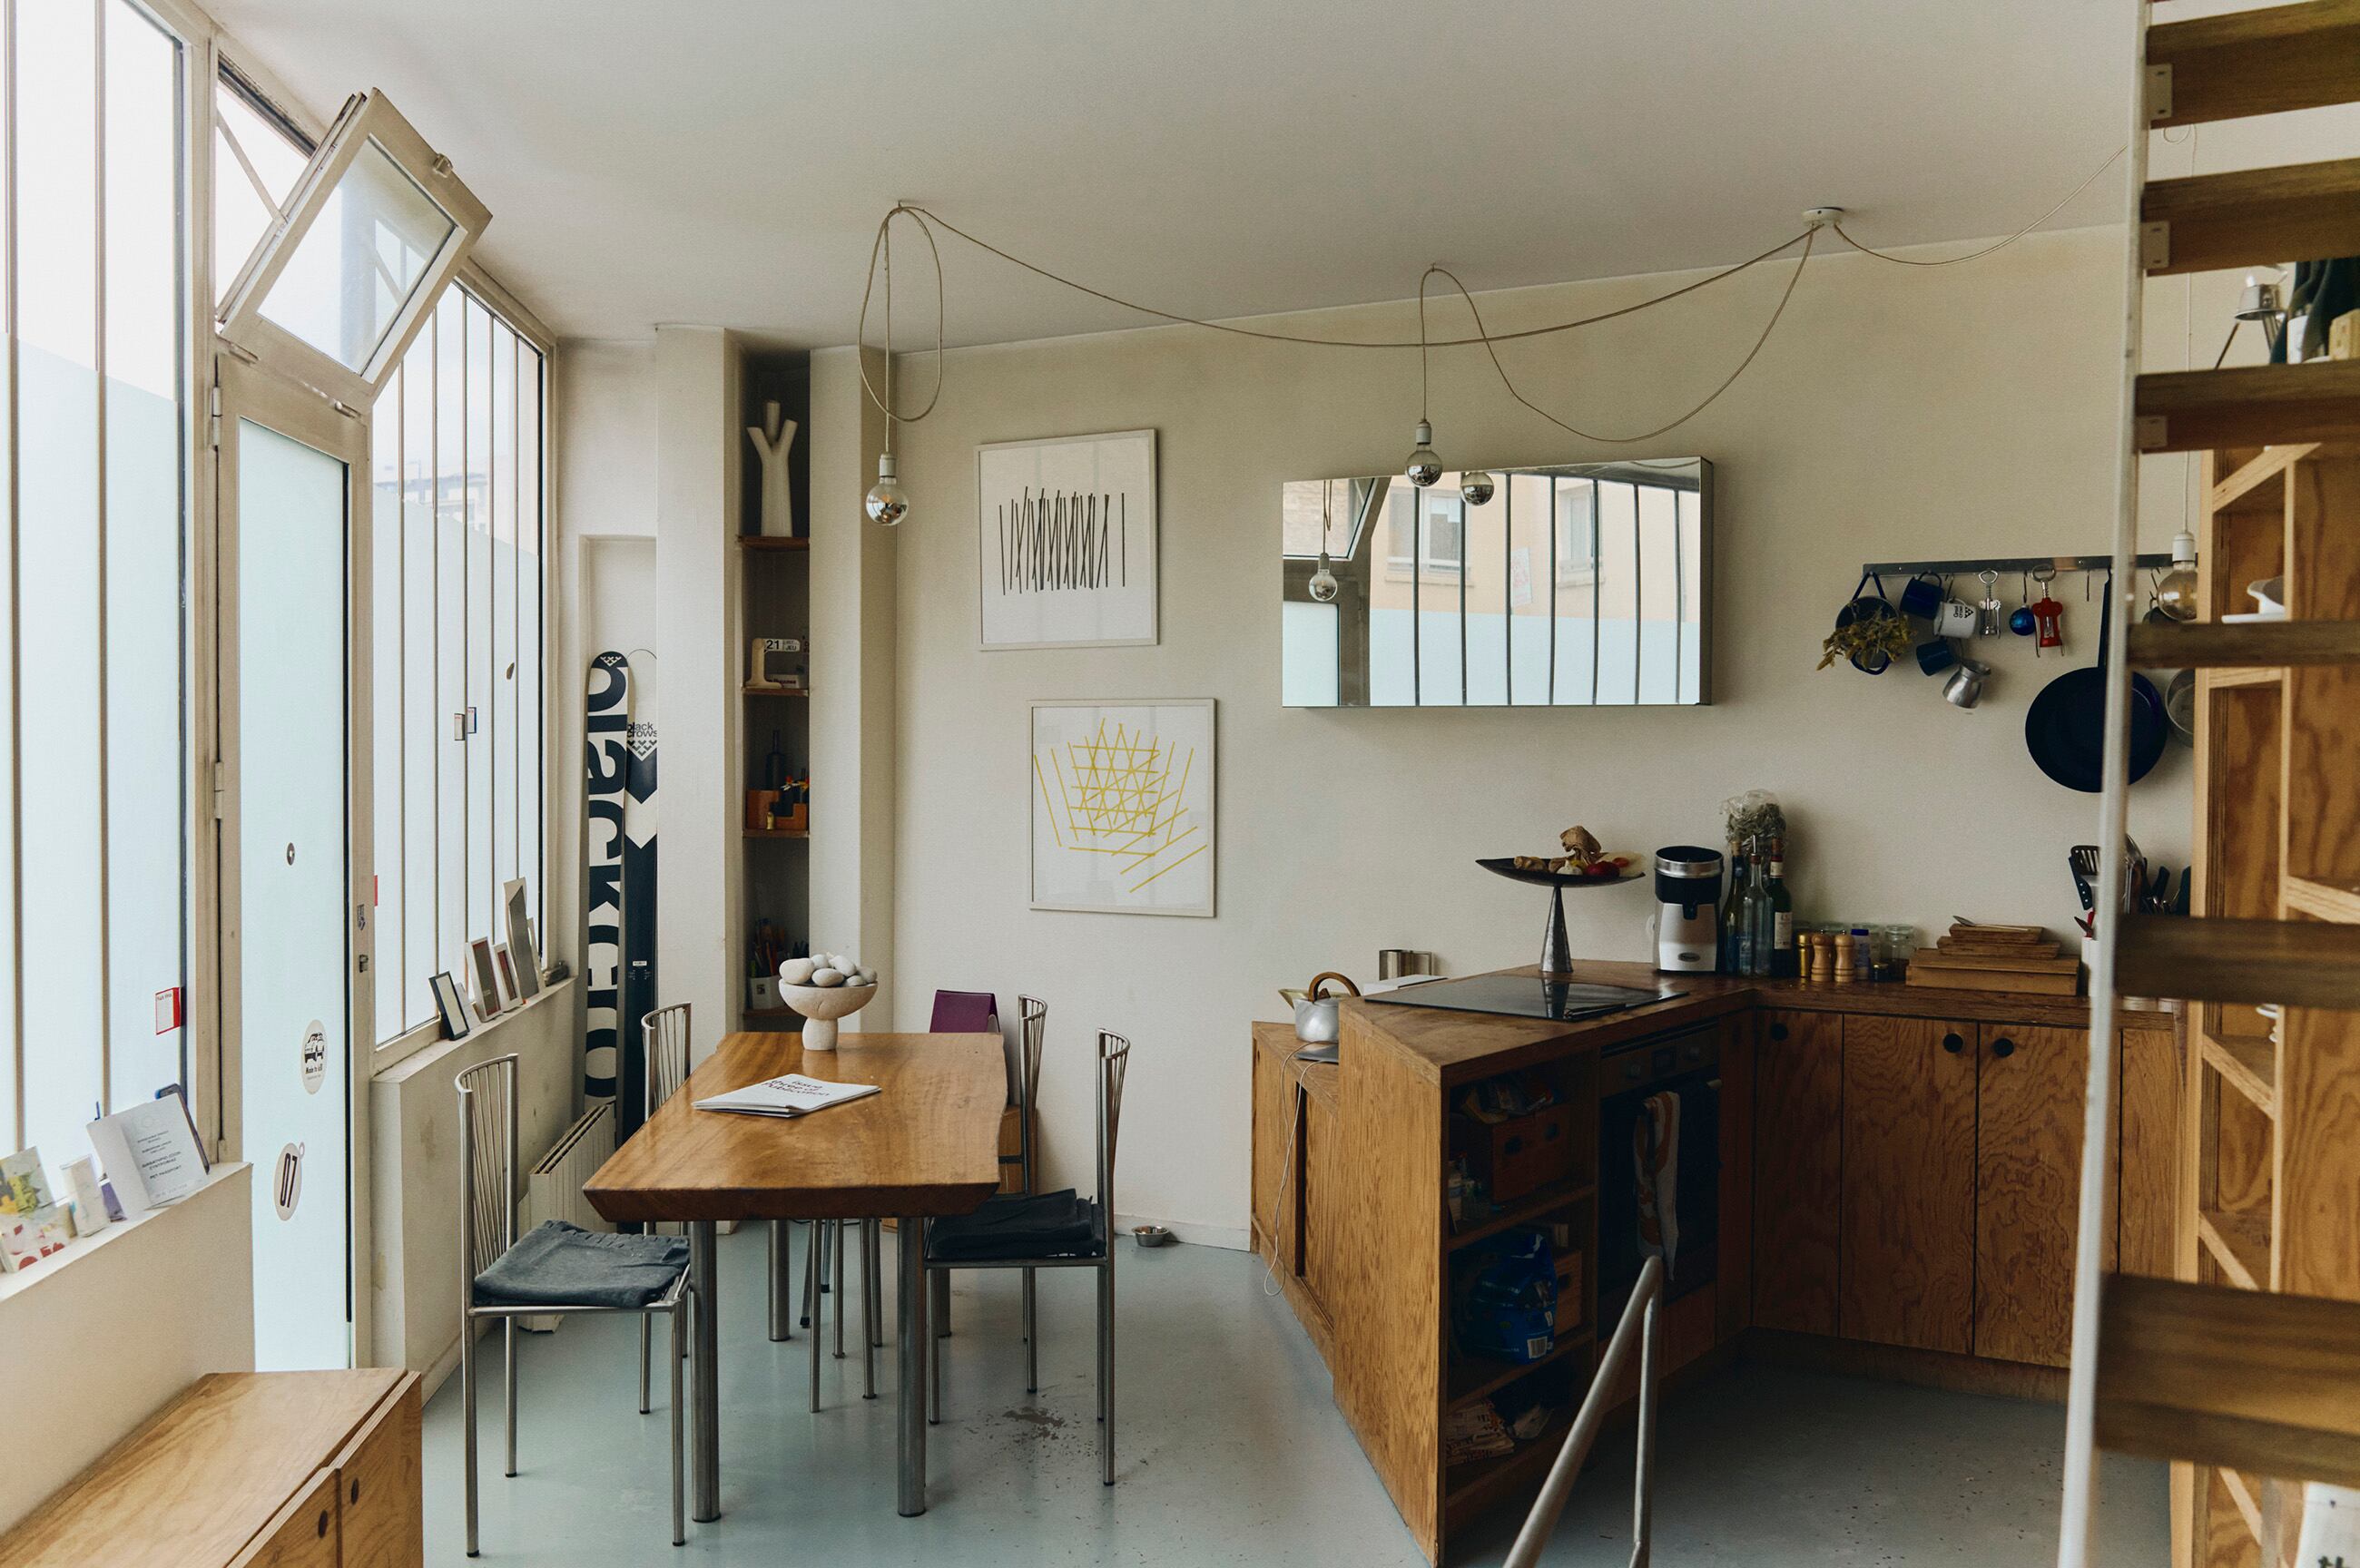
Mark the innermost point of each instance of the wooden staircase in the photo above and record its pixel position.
(2245, 1370)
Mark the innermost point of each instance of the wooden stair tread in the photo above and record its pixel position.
(2251, 217)
(2258, 62)
(2185, 410)
(2323, 900)
(2247, 1380)
(2249, 1066)
(2302, 964)
(2239, 1242)
(2214, 645)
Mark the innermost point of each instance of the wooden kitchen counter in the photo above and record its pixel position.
(1898, 1169)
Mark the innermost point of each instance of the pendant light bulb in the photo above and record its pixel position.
(1476, 488)
(2178, 593)
(1425, 468)
(888, 502)
(1323, 582)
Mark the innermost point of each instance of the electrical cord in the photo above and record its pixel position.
(1270, 1283)
(1995, 244)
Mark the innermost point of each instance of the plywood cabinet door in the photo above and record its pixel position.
(1797, 1170)
(378, 1490)
(1325, 1192)
(2028, 1188)
(303, 1533)
(1277, 1195)
(1908, 1235)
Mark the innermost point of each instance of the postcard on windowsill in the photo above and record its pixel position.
(792, 1096)
(149, 1154)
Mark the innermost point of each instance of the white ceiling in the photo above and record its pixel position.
(725, 161)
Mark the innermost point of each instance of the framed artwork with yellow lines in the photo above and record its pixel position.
(1122, 806)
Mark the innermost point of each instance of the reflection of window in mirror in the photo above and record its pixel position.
(1399, 509)
(1445, 528)
(1577, 532)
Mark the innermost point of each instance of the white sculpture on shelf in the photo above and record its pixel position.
(774, 439)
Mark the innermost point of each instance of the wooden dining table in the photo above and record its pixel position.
(925, 1144)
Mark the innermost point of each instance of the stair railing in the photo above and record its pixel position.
(1640, 1326)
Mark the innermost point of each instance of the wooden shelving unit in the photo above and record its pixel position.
(774, 580)
(1523, 1211)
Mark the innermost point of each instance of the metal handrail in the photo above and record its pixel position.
(1640, 1323)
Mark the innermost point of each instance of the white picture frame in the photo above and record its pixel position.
(1121, 805)
(1066, 542)
(515, 905)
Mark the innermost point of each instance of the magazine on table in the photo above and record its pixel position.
(791, 1096)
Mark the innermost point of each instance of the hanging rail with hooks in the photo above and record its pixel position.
(2009, 563)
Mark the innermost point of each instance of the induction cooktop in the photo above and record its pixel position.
(1523, 996)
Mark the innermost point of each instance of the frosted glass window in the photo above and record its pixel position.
(360, 262)
(94, 591)
(458, 610)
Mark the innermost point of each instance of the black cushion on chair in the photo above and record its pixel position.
(556, 1264)
(1016, 1225)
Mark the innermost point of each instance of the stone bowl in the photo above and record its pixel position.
(821, 1006)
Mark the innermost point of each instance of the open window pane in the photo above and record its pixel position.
(361, 262)
(371, 232)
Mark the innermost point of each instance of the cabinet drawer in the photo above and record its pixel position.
(377, 1487)
(301, 1535)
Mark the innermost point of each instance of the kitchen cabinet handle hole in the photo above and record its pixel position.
(356, 1492)
(324, 1524)
(2002, 1046)
(1953, 1044)
(1777, 1031)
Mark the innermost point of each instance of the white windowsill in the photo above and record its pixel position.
(26, 1280)
(424, 1058)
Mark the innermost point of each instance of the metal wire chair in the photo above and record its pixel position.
(1097, 1252)
(487, 1206)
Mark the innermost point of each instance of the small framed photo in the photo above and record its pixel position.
(484, 969)
(521, 948)
(451, 1006)
(510, 996)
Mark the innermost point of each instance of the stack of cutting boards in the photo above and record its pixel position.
(1971, 957)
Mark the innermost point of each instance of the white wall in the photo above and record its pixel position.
(1899, 412)
(102, 1336)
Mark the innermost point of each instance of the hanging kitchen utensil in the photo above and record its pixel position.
(2179, 707)
(2047, 616)
(2065, 727)
(1987, 607)
(2021, 620)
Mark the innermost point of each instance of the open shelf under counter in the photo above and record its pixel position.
(1474, 1377)
(1470, 1488)
(1525, 1211)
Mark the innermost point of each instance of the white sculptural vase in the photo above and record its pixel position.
(821, 1006)
(774, 439)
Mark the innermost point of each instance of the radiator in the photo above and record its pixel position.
(553, 1190)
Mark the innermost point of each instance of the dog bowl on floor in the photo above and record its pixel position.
(1151, 1236)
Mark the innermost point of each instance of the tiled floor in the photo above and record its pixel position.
(1230, 1450)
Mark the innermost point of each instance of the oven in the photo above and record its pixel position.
(1646, 1089)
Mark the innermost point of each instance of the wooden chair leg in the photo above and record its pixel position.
(467, 1420)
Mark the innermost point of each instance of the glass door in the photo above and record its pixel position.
(295, 982)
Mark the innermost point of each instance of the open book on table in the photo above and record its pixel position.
(792, 1096)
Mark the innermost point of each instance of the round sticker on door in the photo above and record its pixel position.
(287, 1186)
(315, 1056)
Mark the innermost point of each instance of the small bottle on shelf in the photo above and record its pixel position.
(1783, 963)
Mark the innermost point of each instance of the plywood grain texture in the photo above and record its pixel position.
(926, 1144)
(1798, 1170)
(2147, 1134)
(1908, 1235)
(2028, 1170)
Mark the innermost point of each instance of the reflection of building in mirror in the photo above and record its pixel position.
(1577, 586)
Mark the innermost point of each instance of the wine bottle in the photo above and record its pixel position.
(1782, 916)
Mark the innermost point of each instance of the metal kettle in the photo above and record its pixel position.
(1317, 1021)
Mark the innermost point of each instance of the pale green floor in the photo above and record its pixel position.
(1231, 1450)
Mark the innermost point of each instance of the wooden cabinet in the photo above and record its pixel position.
(248, 1470)
(2028, 1187)
(1909, 1182)
(1326, 1191)
(1797, 1170)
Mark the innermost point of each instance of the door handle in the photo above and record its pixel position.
(2002, 1046)
(1953, 1044)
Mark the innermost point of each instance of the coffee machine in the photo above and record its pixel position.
(1687, 931)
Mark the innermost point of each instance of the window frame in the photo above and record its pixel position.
(206, 52)
(368, 119)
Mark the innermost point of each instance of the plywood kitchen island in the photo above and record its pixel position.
(1891, 1171)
